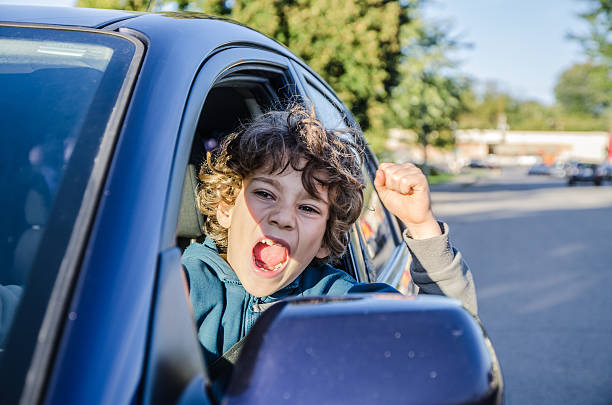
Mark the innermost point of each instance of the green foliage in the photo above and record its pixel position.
(585, 89)
(531, 115)
(133, 5)
(490, 110)
(598, 42)
(428, 103)
(426, 100)
(497, 109)
(137, 5)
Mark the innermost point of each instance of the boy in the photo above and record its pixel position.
(280, 196)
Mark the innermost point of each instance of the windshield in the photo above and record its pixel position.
(59, 89)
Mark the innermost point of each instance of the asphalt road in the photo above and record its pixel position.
(541, 255)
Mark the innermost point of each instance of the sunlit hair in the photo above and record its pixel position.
(273, 142)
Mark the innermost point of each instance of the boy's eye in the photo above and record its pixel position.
(309, 209)
(263, 194)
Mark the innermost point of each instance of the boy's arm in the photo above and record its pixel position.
(437, 267)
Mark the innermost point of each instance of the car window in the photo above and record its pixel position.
(327, 112)
(239, 96)
(59, 90)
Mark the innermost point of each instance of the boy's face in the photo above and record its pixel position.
(275, 229)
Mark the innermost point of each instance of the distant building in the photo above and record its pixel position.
(505, 147)
(550, 146)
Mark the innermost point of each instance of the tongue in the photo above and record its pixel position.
(269, 256)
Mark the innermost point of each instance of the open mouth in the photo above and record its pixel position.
(270, 255)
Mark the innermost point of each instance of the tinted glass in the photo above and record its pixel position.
(59, 88)
(329, 115)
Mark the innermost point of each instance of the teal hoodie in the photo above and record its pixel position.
(224, 311)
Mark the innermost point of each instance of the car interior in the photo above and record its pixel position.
(232, 102)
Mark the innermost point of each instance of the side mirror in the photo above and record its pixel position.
(367, 349)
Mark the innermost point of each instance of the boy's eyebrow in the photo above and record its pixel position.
(276, 184)
(268, 180)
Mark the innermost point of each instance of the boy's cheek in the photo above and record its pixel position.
(322, 252)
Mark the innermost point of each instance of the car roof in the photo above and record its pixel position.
(187, 28)
(67, 16)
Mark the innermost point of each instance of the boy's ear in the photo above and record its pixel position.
(224, 214)
(323, 252)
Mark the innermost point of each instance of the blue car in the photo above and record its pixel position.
(104, 117)
(585, 172)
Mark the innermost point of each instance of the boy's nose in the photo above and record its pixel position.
(283, 218)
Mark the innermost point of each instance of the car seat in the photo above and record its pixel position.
(191, 220)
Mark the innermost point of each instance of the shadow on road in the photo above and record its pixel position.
(490, 184)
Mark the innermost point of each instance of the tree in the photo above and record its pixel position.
(429, 104)
(585, 89)
(531, 115)
(496, 108)
(597, 42)
(426, 100)
(135, 5)
(493, 108)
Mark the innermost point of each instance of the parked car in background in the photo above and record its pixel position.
(540, 169)
(554, 170)
(606, 171)
(481, 164)
(585, 172)
(105, 116)
(559, 169)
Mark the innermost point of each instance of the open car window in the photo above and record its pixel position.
(328, 112)
(234, 100)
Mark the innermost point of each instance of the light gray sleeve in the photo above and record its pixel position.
(438, 268)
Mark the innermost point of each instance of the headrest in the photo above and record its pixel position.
(191, 220)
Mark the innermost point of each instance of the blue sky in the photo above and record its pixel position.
(41, 2)
(520, 44)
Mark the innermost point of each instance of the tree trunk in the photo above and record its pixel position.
(423, 138)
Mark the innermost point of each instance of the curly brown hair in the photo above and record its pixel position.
(274, 141)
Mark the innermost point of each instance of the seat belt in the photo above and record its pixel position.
(222, 367)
